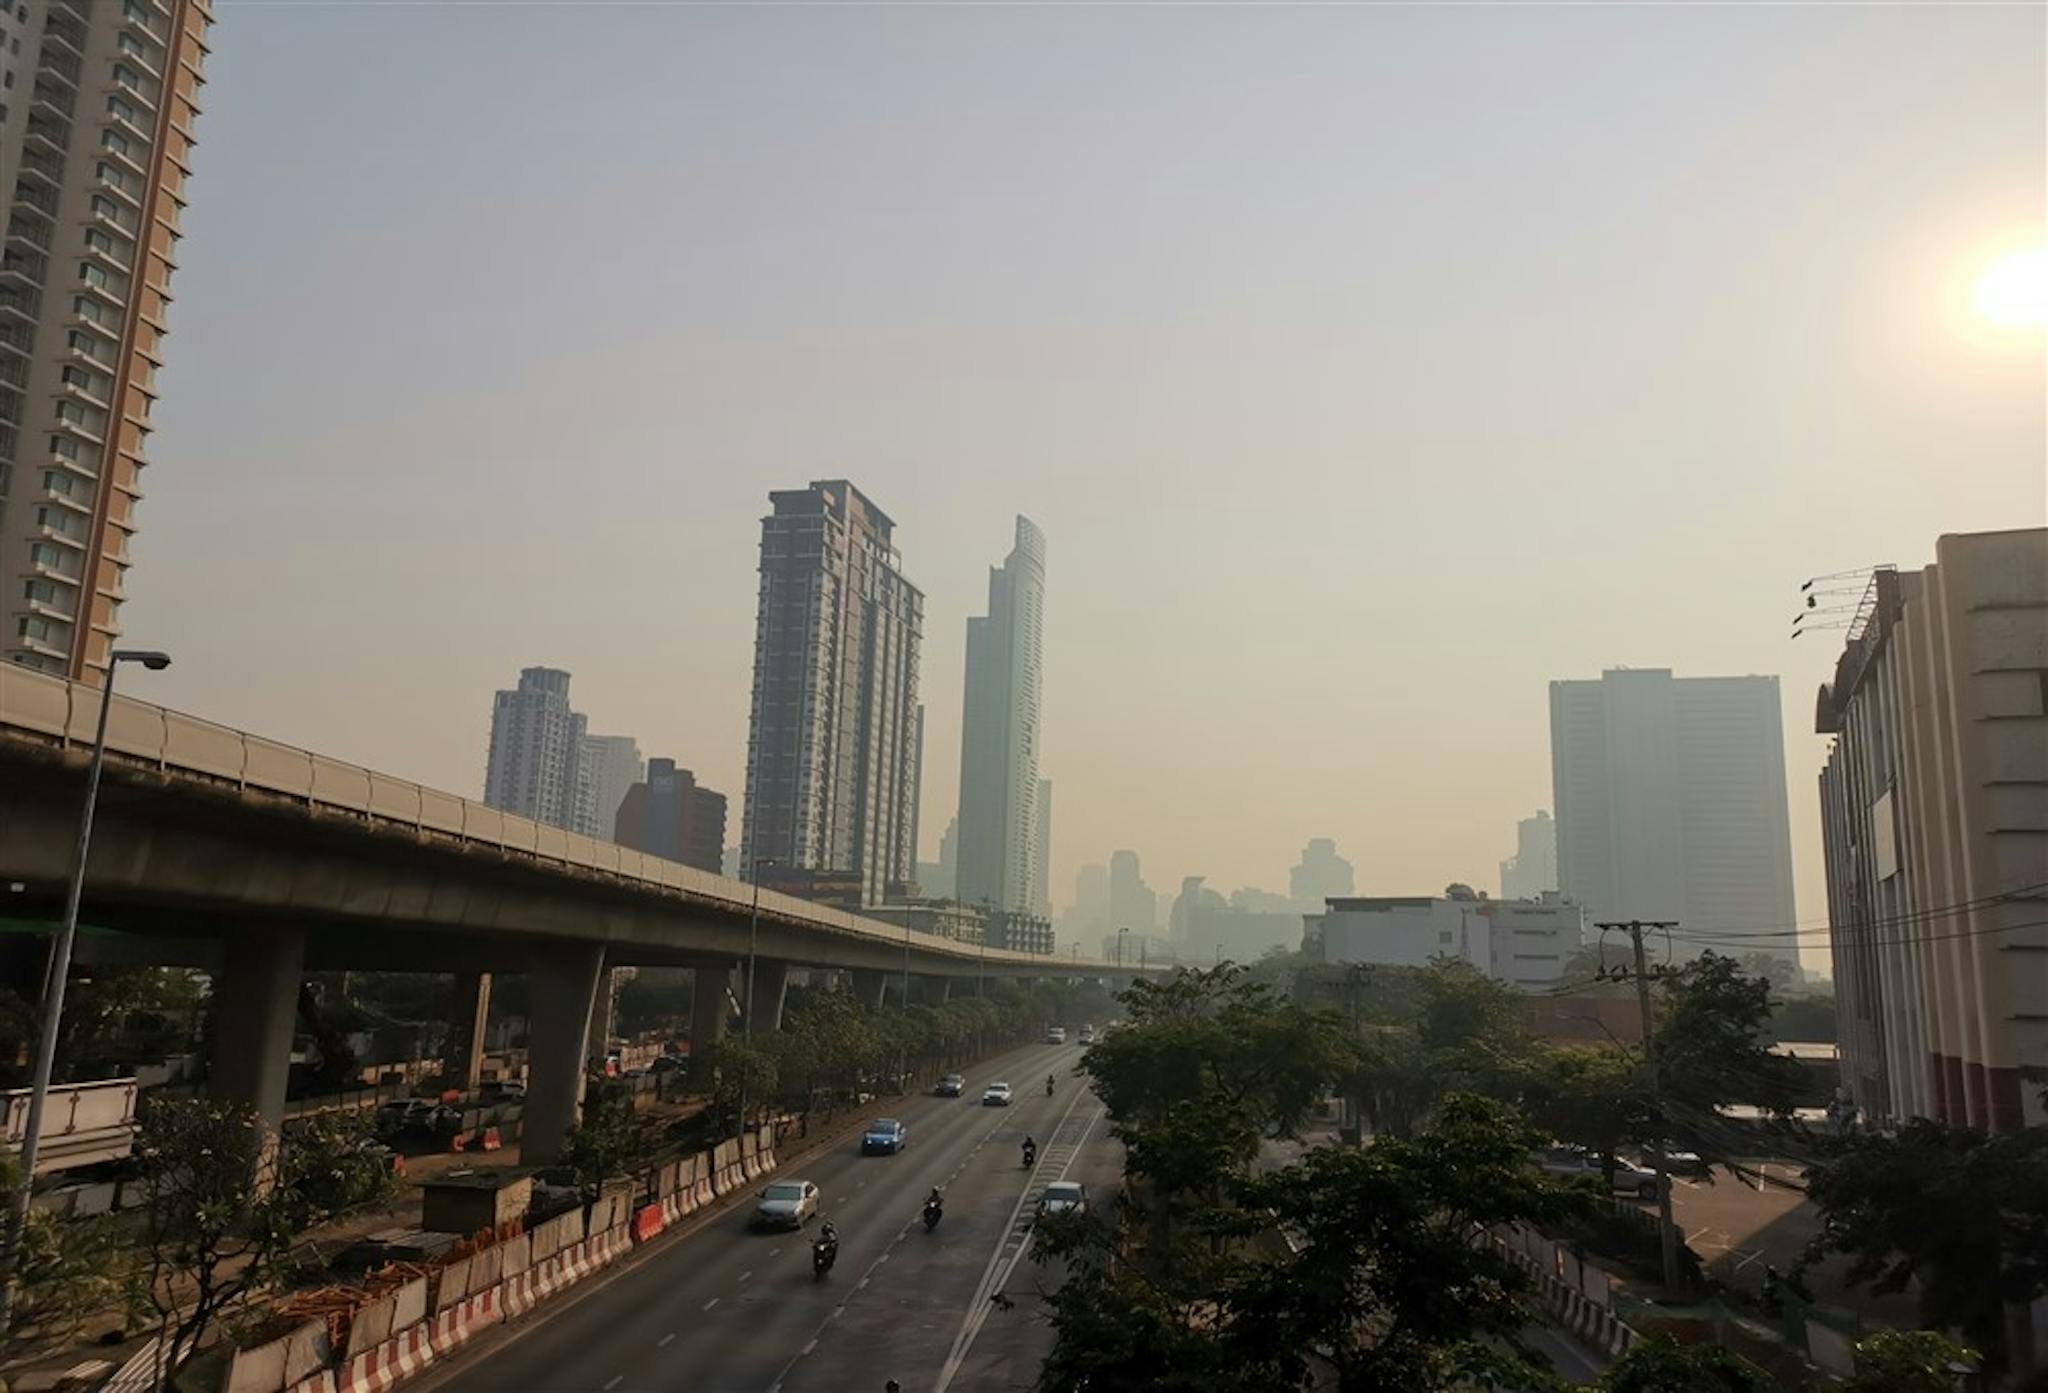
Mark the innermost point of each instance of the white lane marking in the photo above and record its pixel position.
(613, 1382)
(748, 1273)
(663, 1342)
(1015, 1242)
(809, 1345)
(712, 1302)
(773, 1251)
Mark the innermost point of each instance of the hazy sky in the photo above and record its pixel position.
(1366, 367)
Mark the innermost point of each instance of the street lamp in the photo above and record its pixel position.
(53, 980)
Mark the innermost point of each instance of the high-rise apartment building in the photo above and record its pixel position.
(671, 816)
(999, 731)
(1321, 875)
(1533, 868)
(606, 766)
(1670, 801)
(832, 758)
(1132, 903)
(1041, 854)
(536, 749)
(1934, 815)
(96, 120)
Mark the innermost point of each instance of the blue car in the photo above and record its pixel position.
(883, 1134)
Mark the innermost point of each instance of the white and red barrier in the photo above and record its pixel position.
(516, 1295)
(398, 1358)
(321, 1382)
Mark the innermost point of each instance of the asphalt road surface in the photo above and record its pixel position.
(726, 1310)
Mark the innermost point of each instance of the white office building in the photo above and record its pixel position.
(1670, 801)
(1524, 943)
(1533, 867)
(607, 766)
(999, 734)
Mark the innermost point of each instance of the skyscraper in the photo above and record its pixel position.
(1533, 867)
(1670, 799)
(1041, 854)
(999, 731)
(671, 816)
(606, 766)
(832, 768)
(536, 747)
(95, 147)
(1321, 875)
(1132, 905)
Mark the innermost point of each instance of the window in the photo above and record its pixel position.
(121, 110)
(1444, 937)
(41, 591)
(135, 11)
(93, 275)
(131, 45)
(125, 76)
(71, 411)
(34, 627)
(43, 554)
(118, 178)
(106, 207)
(79, 378)
(115, 141)
(8, 81)
(54, 482)
(101, 242)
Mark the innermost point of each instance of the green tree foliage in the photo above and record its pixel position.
(1909, 1361)
(1661, 1365)
(68, 1270)
(1959, 1215)
(1808, 1016)
(604, 1143)
(1713, 1042)
(225, 1201)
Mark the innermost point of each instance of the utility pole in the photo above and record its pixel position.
(1667, 1232)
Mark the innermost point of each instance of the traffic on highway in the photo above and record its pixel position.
(853, 1265)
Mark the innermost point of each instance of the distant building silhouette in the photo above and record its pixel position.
(832, 749)
(999, 734)
(1533, 867)
(1089, 914)
(1670, 800)
(606, 766)
(1132, 905)
(1041, 854)
(1321, 875)
(670, 816)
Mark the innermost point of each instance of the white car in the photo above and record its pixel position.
(1056, 1035)
(996, 1095)
(1087, 1034)
(787, 1204)
(1571, 1162)
(1063, 1197)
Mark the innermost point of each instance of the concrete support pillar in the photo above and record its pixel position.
(870, 985)
(771, 986)
(256, 1007)
(463, 1058)
(562, 981)
(710, 1013)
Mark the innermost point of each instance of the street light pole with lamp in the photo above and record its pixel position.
(54, 978)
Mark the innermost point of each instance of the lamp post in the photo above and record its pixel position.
(53, 981)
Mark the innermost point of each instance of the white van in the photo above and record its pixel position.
(1055, 1035)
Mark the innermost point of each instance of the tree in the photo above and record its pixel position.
(225, 1200)
(1713, 1048)
(744, 1072)
(1662, 1365)
(603, 1143)
(1589, 1095)
(1909, 1361)
(1957, 1214)
(69, 1268)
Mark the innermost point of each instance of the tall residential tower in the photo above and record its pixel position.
(1670, 799)
(832, 759)
(999, 786)
(536, 748)
(96, 120)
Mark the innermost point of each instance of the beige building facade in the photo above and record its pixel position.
(96, 136)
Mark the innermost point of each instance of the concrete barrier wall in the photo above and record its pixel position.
(409, 1304)
(370, 1326)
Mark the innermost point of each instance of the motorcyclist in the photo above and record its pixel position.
(1030, 1150)
(936, 1197)
(1048, 1085)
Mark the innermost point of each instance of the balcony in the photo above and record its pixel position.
(81, 431)
(122, 192)
(53, 102)
(60, 65)
(19, 307)
(123, 158)
(16, 337)
(30, 229)
(151, 63)
(14, 372)
(43, 532)
(106, 296)
(62, 29)
(108, 257)
(36, 197)
(43, 166)
(50, 135)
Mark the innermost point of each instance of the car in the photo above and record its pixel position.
(787, 1204)
(1573, 1162)
(667, 1064)
(996, 1095)
(1679, 1161)
(883, 1134)
(556, 1188)
(1056, 1035)
(951, 1086)
(1063, 1197)
(1087, 1034)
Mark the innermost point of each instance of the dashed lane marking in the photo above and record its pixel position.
(613, 1382)
(664, 1341)
(712, 1302)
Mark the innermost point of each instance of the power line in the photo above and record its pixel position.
(1907, 942)
(1800, 927)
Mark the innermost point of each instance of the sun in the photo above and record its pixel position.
(2013, 291)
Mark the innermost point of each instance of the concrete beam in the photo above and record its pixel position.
(562, 981)
(870, 985)
(771, 986)
(471, 1008)
(256, 1005)
(710, 1015)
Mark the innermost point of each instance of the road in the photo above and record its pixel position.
(725, 1310)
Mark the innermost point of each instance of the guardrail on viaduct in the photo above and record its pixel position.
(54, 711)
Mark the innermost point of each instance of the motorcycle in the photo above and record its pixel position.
(824, 1253)
(932, 1212)
(1048, 1085)
(1030, 1157)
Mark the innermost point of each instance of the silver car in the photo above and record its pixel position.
(1571, 1162)
(1063, 1197)
(787, 1204)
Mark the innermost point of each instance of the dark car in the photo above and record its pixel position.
(951, 1086)
(884, 1134)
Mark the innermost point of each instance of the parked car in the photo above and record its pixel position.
(883, 1134)
(1572, 1162)
(667, 1064)
(1679, 1161)
(787, 1204)
(1063, 1197)
(996, 1095)
(951, 1086)
(1056, 1035)
(556, 1188)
